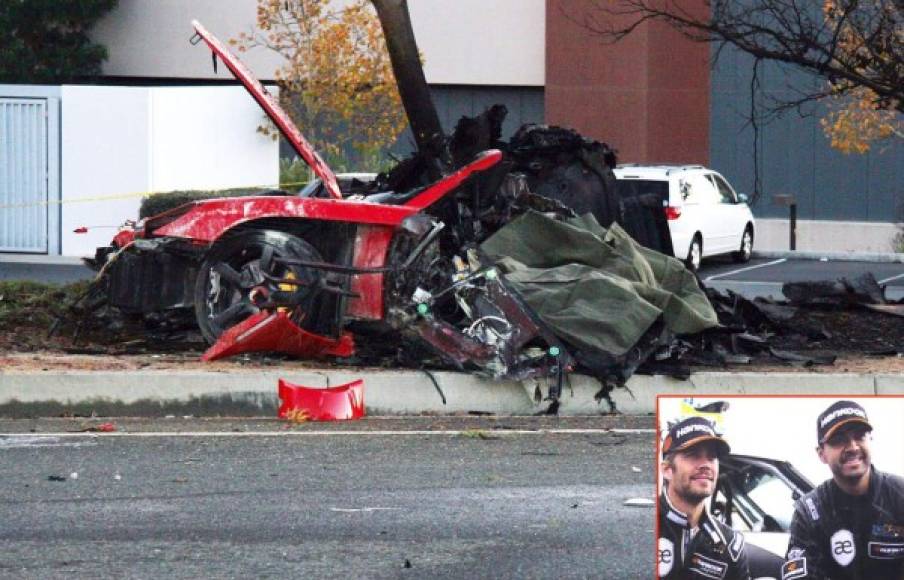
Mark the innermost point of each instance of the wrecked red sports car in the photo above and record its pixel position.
(306, 276)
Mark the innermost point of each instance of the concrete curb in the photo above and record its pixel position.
(41, 259)
(206, 393)
(879, 257)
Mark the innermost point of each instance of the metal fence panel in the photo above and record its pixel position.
(23, 175)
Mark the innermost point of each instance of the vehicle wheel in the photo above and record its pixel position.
(694, 254)
(746, 250)
(235, 266)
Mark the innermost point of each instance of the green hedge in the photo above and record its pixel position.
(160, 202)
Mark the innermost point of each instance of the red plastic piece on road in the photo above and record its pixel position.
(275, 332)
(341, 403)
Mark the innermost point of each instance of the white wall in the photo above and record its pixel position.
(105, 147)
(463, 41)
(827, 236)
(124, 142)
(206, 138)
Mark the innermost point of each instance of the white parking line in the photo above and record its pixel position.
(35, 437)
(892, 278)
(748, 268)
(746, 283)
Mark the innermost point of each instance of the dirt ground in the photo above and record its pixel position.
(44, 360)
(28, 313)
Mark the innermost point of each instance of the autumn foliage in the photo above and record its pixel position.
(336, 81)
(858, 117)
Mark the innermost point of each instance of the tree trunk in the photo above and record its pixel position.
(406, 65)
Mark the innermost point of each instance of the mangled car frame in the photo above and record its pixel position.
(457, 258)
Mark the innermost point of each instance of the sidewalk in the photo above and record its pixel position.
(252, 392)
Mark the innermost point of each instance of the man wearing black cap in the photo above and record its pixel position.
(851, 526)
(692, 543)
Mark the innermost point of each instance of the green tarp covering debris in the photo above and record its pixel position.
(595, 287)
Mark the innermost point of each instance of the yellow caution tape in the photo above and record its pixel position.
(136, 194)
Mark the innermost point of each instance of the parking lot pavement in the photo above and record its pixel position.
(759, 277)
(764, 277)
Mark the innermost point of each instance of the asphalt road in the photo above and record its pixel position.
(388, 500)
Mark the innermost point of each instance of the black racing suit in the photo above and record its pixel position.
(714, 552)
(839, 536)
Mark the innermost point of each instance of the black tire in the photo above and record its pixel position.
(232, 268)
(694, 254)
(746, 250)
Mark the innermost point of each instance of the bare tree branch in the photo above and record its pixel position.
(850, 43)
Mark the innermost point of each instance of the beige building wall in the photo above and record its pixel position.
(470, 42)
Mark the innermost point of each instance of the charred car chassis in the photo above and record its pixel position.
(308, 276)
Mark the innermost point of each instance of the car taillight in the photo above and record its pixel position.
(672, 212)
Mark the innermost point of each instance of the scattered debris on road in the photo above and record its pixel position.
(510, 259)
(639, 502)
(101, 428)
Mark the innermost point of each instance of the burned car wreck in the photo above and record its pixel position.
(489, 257)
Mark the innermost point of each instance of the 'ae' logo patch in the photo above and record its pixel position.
(842, 546)
(666, 552)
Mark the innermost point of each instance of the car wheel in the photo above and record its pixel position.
(746, 250)
(694, 254)
(232, 275)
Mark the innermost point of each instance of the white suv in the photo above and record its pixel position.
(705, 215)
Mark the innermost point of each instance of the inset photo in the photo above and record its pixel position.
(782, 487)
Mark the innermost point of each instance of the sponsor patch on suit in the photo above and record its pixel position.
(736, 547)
(707, 567)
(796, 568)
(886, 550)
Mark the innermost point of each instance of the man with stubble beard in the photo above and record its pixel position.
(851, 526)
(692, 543)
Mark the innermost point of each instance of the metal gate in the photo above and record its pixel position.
(23, 175)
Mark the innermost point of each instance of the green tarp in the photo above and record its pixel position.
(596, 288)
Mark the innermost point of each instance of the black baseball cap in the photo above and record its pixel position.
(691, 431)
(839, 414)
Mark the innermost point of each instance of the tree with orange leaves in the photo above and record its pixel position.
(858, 117)
(336, 81)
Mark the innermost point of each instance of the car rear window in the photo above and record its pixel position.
(635, 187)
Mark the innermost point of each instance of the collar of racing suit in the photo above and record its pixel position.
(707, 523)
(841, 498)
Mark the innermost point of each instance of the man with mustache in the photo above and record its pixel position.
(692, 543)
(851, 526)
